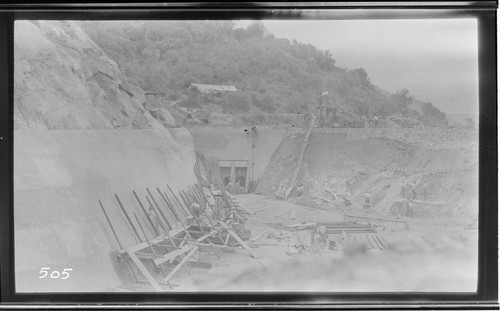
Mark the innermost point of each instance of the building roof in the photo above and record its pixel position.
(211, 87)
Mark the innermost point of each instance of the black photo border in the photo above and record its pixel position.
(484, 11)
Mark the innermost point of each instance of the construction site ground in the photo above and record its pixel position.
(421, 255)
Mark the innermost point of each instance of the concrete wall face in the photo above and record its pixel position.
(228, 143)
(59, 176)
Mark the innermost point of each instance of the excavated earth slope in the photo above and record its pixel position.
(377, 161)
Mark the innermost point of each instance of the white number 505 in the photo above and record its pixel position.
(55, 274)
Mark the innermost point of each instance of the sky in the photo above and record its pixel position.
(435, 59)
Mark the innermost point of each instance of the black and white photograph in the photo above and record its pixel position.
(240, 155)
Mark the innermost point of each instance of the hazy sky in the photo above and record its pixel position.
(436, 59)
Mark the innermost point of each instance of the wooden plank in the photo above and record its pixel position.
(150, 246)
(336, 197)
(381, 241)
(211, 246)
(145, 255)
(261, 209)
(245, 246)
(373, 218)
(326, 200)
(199, 264)
(144, 271)
(431, 203)
(145, 245)
(169, 256)
(260, 235)
(283, 213)
(172, 273)
(206, 236)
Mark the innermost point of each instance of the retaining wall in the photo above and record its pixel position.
(230, 143)
(59, 175)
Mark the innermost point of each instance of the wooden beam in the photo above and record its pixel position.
(172, 273)
(260, 235)
(169, 256)
(301, 158)
(261, 209)
(144, 271)
(245, 246)
(283, 213)
(326, 200)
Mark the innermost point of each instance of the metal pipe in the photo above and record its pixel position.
(145, 213)
(128, 218)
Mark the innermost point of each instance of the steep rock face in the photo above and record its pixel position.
(63, 80)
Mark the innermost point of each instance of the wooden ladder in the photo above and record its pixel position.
(303, 149)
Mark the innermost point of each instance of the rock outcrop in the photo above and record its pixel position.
(63, 80)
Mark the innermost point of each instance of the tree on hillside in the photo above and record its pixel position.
(256, 29)
(403, 100)
(236, 102)
(432, 116)
(274, 75)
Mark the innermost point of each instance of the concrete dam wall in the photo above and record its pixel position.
(60, 175)
(229, 143)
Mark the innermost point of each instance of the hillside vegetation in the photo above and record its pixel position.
(272, 75)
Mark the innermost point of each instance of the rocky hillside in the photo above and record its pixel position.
(63, 80)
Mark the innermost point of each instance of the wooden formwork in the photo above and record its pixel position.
(178, 233)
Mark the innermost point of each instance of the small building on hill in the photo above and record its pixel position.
(210, 88)
(155, 94)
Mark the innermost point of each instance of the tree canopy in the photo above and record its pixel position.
(271, 74)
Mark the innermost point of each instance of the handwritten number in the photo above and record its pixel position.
(65, 272)
(43, 270)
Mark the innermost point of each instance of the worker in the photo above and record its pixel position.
(218, 208)
(318, 240)
(402, 193)
(281, 192)
(365, 120)
(300, 190)
(154, 219)
(367, 203)
(347, 198)
(412, 193)
(424, 189)
(408, 208)
(197, 210)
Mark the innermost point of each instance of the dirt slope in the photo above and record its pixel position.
(360, 161)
